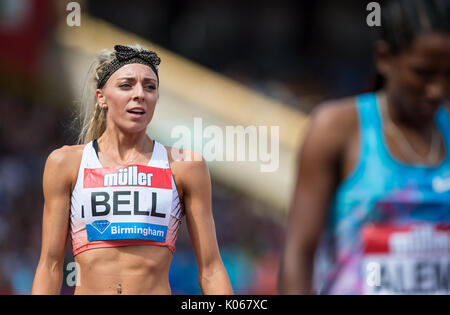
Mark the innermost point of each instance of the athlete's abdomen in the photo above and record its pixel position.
(140, 269)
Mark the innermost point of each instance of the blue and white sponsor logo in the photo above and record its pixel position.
(441, 184)
(104, 230)
(101, 225)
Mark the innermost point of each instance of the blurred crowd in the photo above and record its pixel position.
(28, 132)
(296, 51)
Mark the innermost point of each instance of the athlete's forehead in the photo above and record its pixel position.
(432, 43)
(134, 71)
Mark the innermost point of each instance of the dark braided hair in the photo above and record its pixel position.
(402, 21)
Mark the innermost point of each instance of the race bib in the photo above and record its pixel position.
(406, 260)
(129, 202)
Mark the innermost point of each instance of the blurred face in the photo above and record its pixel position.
(418, 79)
(130, 96)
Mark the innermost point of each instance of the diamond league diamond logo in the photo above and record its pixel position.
(101, 225)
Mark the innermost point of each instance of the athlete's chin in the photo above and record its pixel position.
(427, 111)
(135, 128)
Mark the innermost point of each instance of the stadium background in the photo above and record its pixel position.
(229, 62)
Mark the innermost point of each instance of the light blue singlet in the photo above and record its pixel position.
(383, 196)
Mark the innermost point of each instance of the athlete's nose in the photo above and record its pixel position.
(436, 91)
(139, 93)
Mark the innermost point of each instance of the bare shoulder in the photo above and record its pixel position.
(337, 113)
(63, 163)
(66, 155)
(336, 119)
(188, 167)
(185, 158)
(333, 123)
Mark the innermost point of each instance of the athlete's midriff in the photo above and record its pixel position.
(142, 269)
(80, 242)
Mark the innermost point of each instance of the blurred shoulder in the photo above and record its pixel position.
(332, 126)
(336, 113)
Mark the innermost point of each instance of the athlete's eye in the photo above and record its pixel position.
(125, 85)
(447, 75)
(423, 72)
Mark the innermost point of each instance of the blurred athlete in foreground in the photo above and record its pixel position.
(125, 194)
(371, 210)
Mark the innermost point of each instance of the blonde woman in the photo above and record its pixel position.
(123, 194)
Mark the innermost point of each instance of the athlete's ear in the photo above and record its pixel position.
(101, 99)
(383, 58)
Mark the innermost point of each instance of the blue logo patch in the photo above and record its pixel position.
(101, 225)
(104, 230)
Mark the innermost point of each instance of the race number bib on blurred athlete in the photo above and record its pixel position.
(129, 202)
(406, 260)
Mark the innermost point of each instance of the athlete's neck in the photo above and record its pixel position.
(124, 145)
(405, 118)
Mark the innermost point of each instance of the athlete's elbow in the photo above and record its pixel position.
(51, 263)
(48, 278)
(214, 272)
(209, 271)
(215, 282)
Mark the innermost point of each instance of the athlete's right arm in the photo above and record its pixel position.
(57, 184)
(316, 182)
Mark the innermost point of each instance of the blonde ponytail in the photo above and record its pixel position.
(91, 117)
(96, 126)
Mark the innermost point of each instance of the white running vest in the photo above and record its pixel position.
(124, 205)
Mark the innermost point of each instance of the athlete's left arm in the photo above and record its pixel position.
(196, 194)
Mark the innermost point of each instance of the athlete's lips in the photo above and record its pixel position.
(428, 108)
(136, 111)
